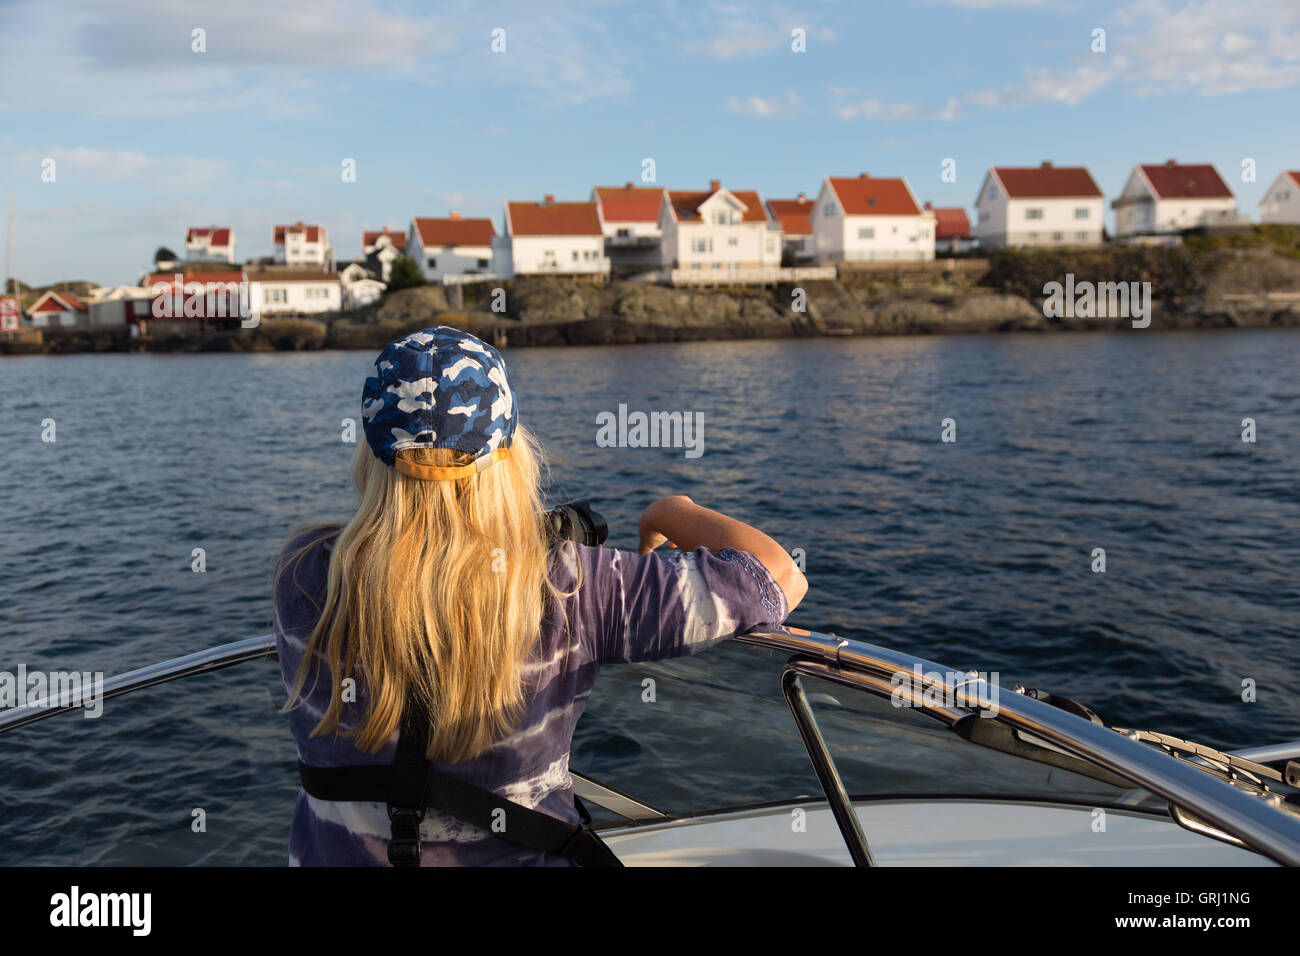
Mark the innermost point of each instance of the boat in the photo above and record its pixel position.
(1124, 796)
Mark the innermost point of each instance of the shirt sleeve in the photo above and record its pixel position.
(644, 607)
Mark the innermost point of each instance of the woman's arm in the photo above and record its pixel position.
(689, 526)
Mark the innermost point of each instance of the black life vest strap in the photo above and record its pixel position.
(411, 784)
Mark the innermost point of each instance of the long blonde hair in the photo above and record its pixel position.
(436, 592)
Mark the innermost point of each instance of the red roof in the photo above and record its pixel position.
(794, 215)
(553, 219)
(370, 238)
(864, 196)
(57, 302)
(216, 236)
(1199, 181)
(686, 205)
(1295, 176)
(1047, 182)
(312, 232)
(630, 203)
(951, 222)
(167, 278)
(455, 231)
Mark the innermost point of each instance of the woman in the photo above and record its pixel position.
(442, 620)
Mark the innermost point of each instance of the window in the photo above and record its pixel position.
(695, 265)
(1081, 212)
(867, 232)
(993, 192)
(1034, 212)
(482, 263)
(1033, 237)
(828, 209)
(1057, 236)
(771, 244)
(1081, 237)
(277, 295)
(722, 218)
(624, 233)
(732, 241)
(575, 255)
(702, 245)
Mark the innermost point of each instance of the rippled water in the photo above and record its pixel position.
(975, 553)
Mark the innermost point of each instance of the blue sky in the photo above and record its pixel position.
(149, 136)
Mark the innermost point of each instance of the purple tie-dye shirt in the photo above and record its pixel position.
(630, 608)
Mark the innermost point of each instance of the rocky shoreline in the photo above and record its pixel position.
(1240, 292)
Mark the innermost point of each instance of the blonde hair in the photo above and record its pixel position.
(436, 593)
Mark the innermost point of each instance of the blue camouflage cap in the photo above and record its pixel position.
(439, 388)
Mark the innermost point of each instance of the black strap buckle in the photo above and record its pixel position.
(404, 844)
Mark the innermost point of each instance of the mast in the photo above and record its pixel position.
(10, 275)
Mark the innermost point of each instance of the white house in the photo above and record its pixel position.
(866, 219)
(451, 246)
(629, 218)
(1168, 198)
(799, 246)
(56, 310)
(1281, 203)
(1039, 206)
(374, 239)
(295, 291)
(211, 243)
(302, 245)
(718, 232)
(381, 249)
(552, 238)
(360, 287)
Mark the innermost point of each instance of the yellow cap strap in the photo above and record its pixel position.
(450, 472)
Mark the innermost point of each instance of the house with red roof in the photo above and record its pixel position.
(952, 235)
(451, 246)
(1281, 202)
(58, 310)
(210, 243)
(870, 219)
(551, 238)
(629, 218)
(374, 239)
(302, 245)
(717, 233)
(1170, 197)
(795, 217)
(1044, 205)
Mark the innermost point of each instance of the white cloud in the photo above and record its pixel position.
(874, 109)
(1203, 47)
(729, 31)
(134, 58)
(76, 164)
(759, 106)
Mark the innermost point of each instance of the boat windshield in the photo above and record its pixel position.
(714, 731)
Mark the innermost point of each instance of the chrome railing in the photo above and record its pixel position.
(1211, 803)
